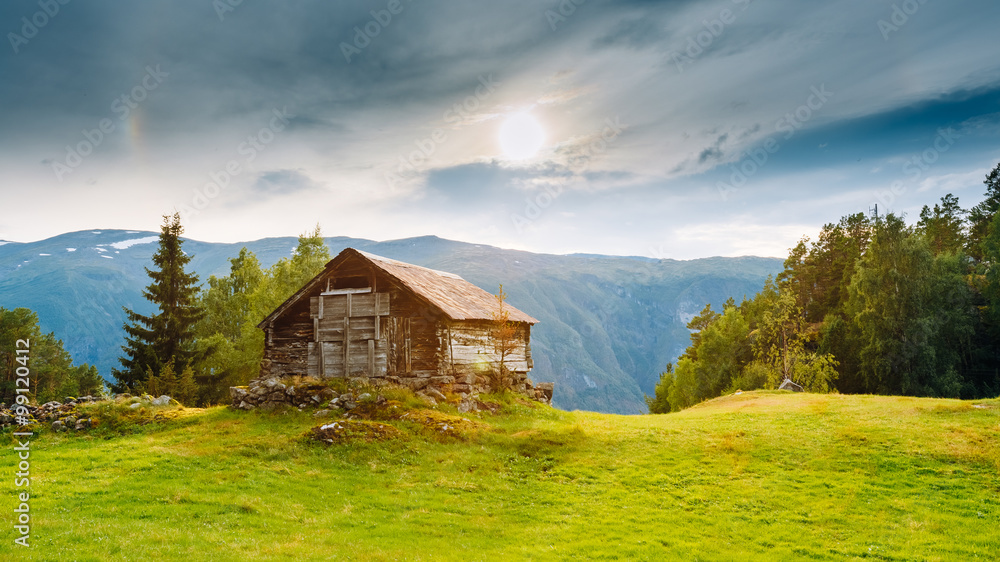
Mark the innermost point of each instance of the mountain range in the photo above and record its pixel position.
(608, 324)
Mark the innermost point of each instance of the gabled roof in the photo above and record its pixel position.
(455, 297)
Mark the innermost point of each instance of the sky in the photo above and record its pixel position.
(670, 129)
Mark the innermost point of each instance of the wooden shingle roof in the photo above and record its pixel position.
(455, 297)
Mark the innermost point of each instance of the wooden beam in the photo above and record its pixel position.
(347, 291)
(451, 351)
(319, 316)
(371, 358)
(347, 343)
(406, 344)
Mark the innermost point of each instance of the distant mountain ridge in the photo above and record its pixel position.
(608, 324)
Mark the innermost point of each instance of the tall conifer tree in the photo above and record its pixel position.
(982, 214)
(153, 341)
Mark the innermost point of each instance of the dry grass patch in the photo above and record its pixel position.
(343, 431)
(444, 424)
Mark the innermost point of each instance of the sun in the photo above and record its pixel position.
(521, 136)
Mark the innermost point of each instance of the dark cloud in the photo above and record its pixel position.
(487, 184)
(636, 33)
(607, 60)
(282, 182)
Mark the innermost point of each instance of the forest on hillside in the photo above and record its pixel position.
(201, 340)
(53, 373)
(871, 306)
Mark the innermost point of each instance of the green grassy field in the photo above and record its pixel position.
(760, 476)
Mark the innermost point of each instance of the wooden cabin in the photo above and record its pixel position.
(375, 318)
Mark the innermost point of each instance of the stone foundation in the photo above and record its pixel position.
(271, 393)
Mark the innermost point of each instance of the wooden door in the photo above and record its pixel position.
(348, 338)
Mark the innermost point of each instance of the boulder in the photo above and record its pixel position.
(467, 405)
(274, 407)
(546, 389)
(435, 394)
(416, 384)
(58, 426)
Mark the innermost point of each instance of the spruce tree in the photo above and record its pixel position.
(982, 214)
(167, 336)
(944, 227)
(186, 391)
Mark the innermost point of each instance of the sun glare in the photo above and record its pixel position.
(521, 136)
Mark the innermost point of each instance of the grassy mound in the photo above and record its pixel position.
(440, 423)
(761, 475)
(343, 431)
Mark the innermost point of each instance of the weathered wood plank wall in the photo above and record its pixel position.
(390, 334)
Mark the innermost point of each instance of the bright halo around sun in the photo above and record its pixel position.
(521, 136)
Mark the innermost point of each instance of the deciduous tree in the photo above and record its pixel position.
(504, 339)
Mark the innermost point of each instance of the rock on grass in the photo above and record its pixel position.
(342, 431)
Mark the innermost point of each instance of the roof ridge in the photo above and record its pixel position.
(455, 297)
(376, 257)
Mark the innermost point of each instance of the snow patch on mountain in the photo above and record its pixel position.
(132, 242)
